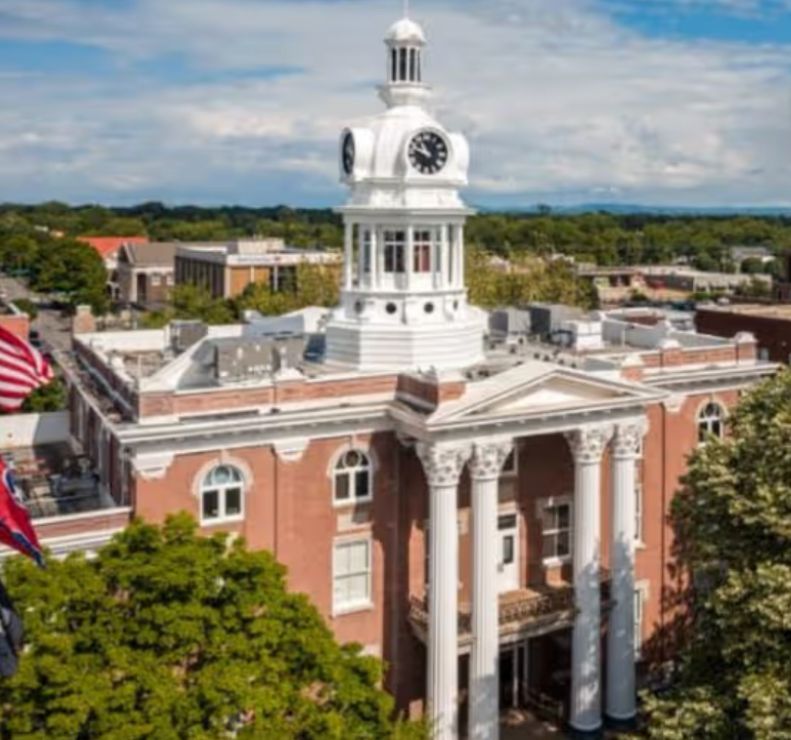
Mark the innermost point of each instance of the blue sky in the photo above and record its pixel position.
(668, 102)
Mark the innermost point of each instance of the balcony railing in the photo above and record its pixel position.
(527, 612)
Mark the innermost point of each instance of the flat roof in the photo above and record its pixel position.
(777, 311)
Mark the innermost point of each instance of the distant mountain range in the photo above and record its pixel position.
(622, 209)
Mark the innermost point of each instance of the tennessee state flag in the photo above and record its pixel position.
(16, 529)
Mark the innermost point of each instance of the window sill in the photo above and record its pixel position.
(352, 504)
(222, 520)
(556, 562)
(345, 611)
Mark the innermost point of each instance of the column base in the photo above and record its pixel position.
(620, 724)
(591, 734)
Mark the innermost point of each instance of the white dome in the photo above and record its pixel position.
(405, 30)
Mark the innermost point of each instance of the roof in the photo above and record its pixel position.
(151, 254)
(108, 246)
(772, 311)
(406, 30)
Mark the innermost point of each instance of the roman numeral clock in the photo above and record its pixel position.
(404, 303)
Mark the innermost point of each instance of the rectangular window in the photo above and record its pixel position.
(556, 531)
(233, 502)
(638, 511)
(156, 280)
(639, 599)
(422, 246)
(367, 251)
(402, 65)
(394, 247)
(211, 504)
(351, 586)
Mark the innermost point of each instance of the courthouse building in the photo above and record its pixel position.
(484, 511)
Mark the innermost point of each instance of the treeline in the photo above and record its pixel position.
(601, 238)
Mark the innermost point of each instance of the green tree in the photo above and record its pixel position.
(733, 528)
(167, 634)
(193, 302)
(75, 269)
(50, 397)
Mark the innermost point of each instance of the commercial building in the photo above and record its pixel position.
(145, 273)
(108, 247)
(770, 324)
(225, 270)
(483, 508)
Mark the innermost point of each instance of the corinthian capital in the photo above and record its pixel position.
(628, 436)
(587, 444)
(443, 462)
(488, 458)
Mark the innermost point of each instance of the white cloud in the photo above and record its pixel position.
(559, 101)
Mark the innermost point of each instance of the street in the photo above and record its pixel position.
(54, 329)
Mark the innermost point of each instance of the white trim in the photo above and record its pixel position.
(223, 460)
(643, 588)
(712, 399)
(362, 605)
(364, 448)
(548, 503)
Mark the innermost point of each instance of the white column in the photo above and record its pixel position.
(373, 260)
(379, 258)
(621, 696)
(459, 247)
(587, 446)
(485, 466)
(409, 256)
(360, 253)
(348, 255)
(443, 465)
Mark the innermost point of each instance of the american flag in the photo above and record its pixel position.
(22, 370)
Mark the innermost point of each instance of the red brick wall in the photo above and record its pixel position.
(771, 333)
(18, 325)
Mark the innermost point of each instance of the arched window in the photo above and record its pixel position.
(711, 420)
(221, 495)
(352, 478)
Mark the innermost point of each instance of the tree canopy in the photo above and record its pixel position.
(733, 527)
(166, 634)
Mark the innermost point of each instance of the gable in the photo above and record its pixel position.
(554, 392)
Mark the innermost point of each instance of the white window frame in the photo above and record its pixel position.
(367, 603)
(640, 597)
(708, 420)
(553, 503)
(222, 490)
(156, 280)
(351, 474)
(639, 495)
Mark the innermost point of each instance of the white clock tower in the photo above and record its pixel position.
(404, 304)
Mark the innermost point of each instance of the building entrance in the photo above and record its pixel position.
(508, 562)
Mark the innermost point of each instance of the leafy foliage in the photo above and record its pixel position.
(733, 527)
(170, 635)
(528, 279)
(50, 397)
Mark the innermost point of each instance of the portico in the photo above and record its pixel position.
(606, 424)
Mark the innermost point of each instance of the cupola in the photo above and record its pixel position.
(405, 41)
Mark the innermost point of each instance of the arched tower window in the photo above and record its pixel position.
(221, 495)
(711, 421)
(352, 478)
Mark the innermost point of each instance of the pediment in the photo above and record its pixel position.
(538, 389)
(554, 392)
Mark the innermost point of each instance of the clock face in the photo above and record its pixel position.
(428, 152)
(347, 153)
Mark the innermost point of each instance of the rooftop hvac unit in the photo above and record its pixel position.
(183, 334)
